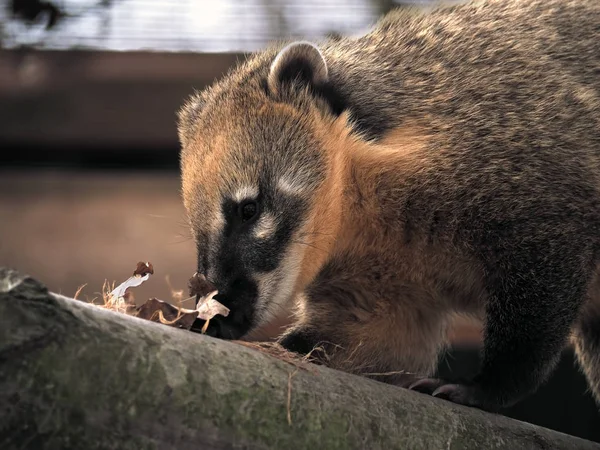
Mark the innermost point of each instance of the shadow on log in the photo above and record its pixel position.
(76, 376)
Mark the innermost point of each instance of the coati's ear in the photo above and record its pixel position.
(187, 116)
(300, 62)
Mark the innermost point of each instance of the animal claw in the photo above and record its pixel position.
(426, 385)
(459, 393)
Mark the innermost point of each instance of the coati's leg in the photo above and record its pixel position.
(586, 340)
(396, 343)
(535, 294)
(367, 357)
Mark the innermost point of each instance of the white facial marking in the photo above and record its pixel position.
(265, 227)
(245, 192)
(275, 289)
(289, 185)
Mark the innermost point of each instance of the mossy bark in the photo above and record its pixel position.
(76, 376)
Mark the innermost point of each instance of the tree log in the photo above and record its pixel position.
(77, 376)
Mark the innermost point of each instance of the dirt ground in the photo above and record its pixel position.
(69, 228)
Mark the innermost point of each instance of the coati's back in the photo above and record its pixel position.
(416, 63)
(508, 92)
(480, 73)
(447, 63)
(480, 127)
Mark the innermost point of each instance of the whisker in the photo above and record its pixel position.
(157, 216)
(308, 233)
(182, 241)
(309, 245)
(272, 311)
(275, 309)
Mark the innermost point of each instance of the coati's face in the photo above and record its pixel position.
(253, 173)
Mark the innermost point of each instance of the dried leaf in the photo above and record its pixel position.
(200, 286)
(143, 268)
(208, 307)
(160, 311)
(140, 274)
(121, 299)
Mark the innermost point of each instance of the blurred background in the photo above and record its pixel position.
(89, 181)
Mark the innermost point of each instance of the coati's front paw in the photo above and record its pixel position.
(304, 342)
(468, 394)
(297, 341)
(426, 385)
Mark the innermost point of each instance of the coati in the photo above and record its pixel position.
(444, 162)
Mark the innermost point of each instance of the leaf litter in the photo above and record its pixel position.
(120, 299)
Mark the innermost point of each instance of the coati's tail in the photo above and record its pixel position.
(586, 338)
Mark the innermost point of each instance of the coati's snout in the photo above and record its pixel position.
(239, 293)
(244, 255)
(248, 248)
(254, 169)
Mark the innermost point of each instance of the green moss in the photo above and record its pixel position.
(261, 417)
(111, 382)
(86, 388)
(72, 388)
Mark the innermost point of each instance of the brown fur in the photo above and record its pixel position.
(471, 149)
(385, 336)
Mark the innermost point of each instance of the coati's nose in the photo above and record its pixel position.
(239, 295)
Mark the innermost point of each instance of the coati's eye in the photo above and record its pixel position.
(248, 210)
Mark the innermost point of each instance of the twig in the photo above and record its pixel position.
(78, 291)
(383, 374)
(289, 397)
